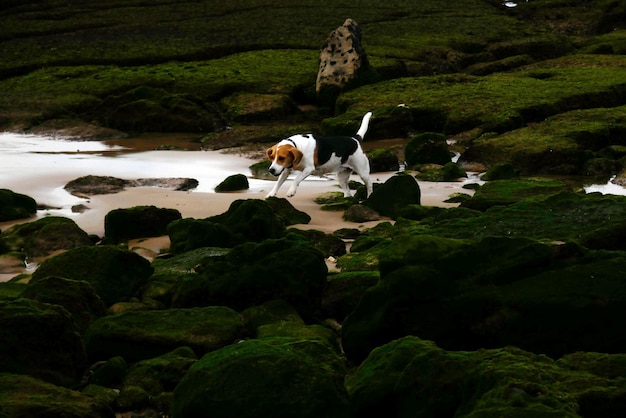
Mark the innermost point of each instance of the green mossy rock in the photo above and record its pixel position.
(26, 396)
(491, 293)
(500, 171)
(234, 183)
(508, 192)
(435, 172)
(328, 244)
(284, 209)
(44, 236)
(188, 234)
(40, 340)
(161, 286)
(383, 159)
(115, 274)
(109, 373)
(78, 297)
(427, 148)
(397, 192)
(16, 206)
(251, 107)
(248, 275)
(140, 335)
(121, 225)
(278, 377)
(411, 376)
(344, 290)
(11, 290)
(294, 330)
(155, 378)
(272, 311)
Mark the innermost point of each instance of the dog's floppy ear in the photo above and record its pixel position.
(270, 152)
(297, 156)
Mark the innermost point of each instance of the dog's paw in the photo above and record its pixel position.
(291, 193)
(270, 195)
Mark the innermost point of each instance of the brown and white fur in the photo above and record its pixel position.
(307, 153)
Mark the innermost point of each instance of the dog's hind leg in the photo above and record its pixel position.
(343, 176)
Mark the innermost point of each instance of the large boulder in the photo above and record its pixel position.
(466, 294)
(427, 148)
(78, 297)
(233, 183)
(16, 206)
(397, 192)
(343, 62)
(26, 396)
(40, 340)
(140, 335)
(138, 222)
(412, 377)
(277, 377)
(115, 274)
(245, 220)
(253, 273)
(45, 236)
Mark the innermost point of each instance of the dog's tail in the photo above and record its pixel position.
(365, 123)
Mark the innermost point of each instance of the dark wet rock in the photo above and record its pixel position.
(285, 210)
(45, 236)
(138, 222)
(148, 109)
(78, 297)
(272, 311)
(506, 382)
(261, 171)
(245, 220)
(115, 274)
(427, 148)
(398, 191)
(26, 396)
(383, 159)
(360, 213)
(500, 171)
(279, 377)
(40, 340)
(343, 62)
(94, 185)
(109, 373)
(491, 293)
(328, 244)
(140, 335)
(251, 107)
(507, 192)
(16, 206)
(344, 290)
(253, 273)
(435, 172)
(233, 183)
(149, 383)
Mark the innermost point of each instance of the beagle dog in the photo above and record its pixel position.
(307, 153)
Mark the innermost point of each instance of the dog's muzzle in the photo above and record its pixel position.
(274, 171)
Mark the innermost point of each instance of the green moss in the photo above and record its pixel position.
(506, 192)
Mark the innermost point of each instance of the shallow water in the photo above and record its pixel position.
(41, 166)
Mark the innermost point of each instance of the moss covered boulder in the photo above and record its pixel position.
(233, 183)
(491, 293)
(78, 297)
(140, 335)
(245, 220)
(398, 191)
(253, 273)
(115, 274)
(16, 205)
(410, 377)
(26, 396)
(278, 377)
(383, 159)
(41, 340)
(138, 222)
(284, 209)
(427, 148)
(44, 236)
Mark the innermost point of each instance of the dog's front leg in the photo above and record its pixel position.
(296, 182)
(281, 179)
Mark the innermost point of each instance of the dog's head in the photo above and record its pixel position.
(282, 157)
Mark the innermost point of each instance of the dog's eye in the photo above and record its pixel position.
(281, 158)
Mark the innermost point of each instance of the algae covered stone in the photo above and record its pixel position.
(139, 335)
(138, 222)
(115, 274)
(233, 183)
(41, 340)
(16, 205)
(396, 193)
(278, 377)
